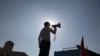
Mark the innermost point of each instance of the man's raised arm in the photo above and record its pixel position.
(53, 31)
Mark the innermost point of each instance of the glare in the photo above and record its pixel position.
(52, 21)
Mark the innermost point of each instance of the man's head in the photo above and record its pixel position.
(46, 24)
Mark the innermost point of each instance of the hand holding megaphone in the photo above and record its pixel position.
(54, 26)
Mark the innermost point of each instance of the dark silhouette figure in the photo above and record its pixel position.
(7, 50)
(44, 39)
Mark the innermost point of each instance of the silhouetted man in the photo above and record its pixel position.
(44, 39)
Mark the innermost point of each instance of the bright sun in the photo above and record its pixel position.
(51, 20)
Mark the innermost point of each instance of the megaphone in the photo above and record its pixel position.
(57, 25)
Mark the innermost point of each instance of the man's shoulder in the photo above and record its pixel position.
(42, 29)
(45, 29)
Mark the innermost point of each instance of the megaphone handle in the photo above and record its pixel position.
(54, 37)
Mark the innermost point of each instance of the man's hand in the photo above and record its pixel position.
(39, 41)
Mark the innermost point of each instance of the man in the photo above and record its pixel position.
(44, 39)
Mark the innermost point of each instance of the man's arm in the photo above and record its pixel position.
(39, 39)
(53, 31)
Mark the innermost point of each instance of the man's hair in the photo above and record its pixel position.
(46, 24)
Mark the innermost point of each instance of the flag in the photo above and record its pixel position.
(83, 50)
(82, 42)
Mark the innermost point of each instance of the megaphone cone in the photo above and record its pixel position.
(57, 25)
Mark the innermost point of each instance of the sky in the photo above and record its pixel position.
(22, 20)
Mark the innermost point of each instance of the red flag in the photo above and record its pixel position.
(82, 42)
(83, 50)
